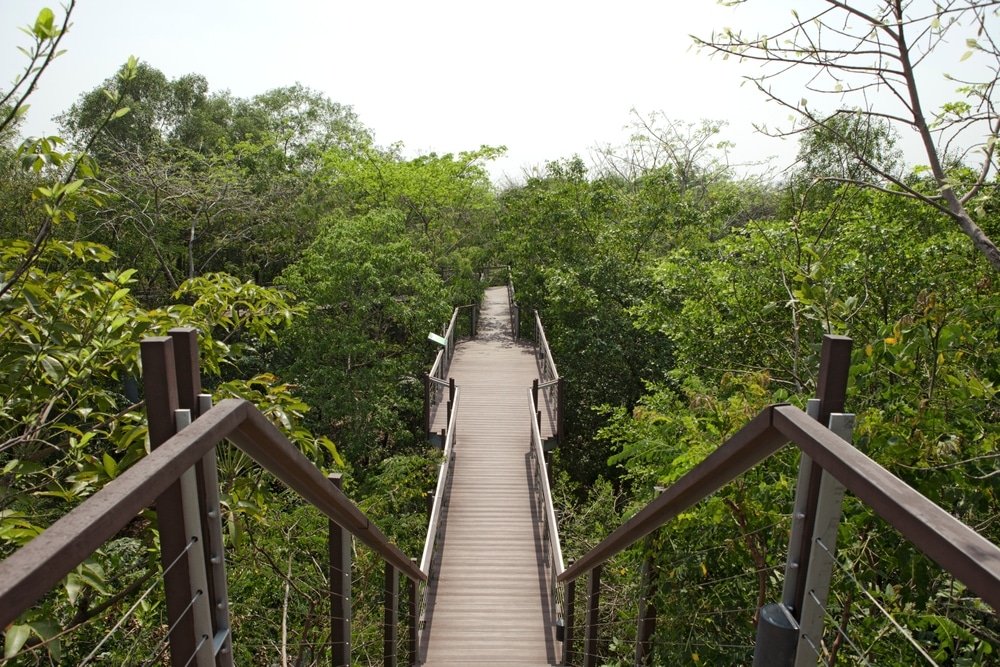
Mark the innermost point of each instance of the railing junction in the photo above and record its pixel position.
(436, 380)
(829, 465)
(549, 382)
(179, 476)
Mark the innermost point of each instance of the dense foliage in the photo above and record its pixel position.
(672, 345)
(679, 298)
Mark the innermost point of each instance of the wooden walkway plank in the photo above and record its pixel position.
(489, 601)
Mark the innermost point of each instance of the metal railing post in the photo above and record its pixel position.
(339, 545)
(451, 400)
(160, 387)
(190, 397)
(647, 610)
(427, 405)
(560, 408)
(593, 617)
(570, 628)
(413, 619)
(820, 567)
(391, 620)
(831, 390)
(778, 633)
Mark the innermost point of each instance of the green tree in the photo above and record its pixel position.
(849, 52)
(358, 354)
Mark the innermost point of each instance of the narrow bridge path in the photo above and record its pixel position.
(488, 602)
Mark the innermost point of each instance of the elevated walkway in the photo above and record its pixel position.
(489, 601)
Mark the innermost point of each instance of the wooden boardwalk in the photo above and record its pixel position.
(489, 601)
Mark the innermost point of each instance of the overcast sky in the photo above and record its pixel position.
(546, 78)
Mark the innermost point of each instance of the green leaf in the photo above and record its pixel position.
(44, 23)
(14, 638)
(47, 630)
(73, 587)
(332, 449)
(73, 187)
(110, 466)
(119, 113)
(53, 368)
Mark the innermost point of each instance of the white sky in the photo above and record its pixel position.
(546, 78)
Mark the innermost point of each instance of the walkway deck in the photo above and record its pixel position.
(489, 602)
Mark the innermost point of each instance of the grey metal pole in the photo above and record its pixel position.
(820, 569)
(777, 633)
(778, 624)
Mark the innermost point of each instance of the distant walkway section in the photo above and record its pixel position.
(489, 601)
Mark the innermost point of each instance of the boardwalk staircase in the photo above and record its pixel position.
(491, 586)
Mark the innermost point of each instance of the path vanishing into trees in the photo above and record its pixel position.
(489, 600)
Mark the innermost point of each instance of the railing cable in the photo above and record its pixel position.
(165, 641)
(906, 633)
(862, 655)
(131, 610)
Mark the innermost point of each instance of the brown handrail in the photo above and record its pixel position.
(966, 554)
(550, 380)
(513, 308)
(33, 570)
(548, 507)
(437, 377)
(442, 483)
(552, 374)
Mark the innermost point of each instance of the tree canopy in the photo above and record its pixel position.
(679, 297)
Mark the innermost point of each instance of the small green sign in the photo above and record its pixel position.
(443, 342)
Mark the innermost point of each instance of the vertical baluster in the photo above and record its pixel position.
(451, 398)
(340, 560)
(427, 405)
(413, 619)
(204, 655)
(567, 652)
(593, 617)
(560, 408)
(391, 619)
(160, 388)
(820, 568)
(189, 396)
(647, 610)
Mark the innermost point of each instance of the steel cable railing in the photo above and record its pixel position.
(828, 461)
(549, 384)
(436, 380)
(553, 551)
(444, 471)
(187, 508)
